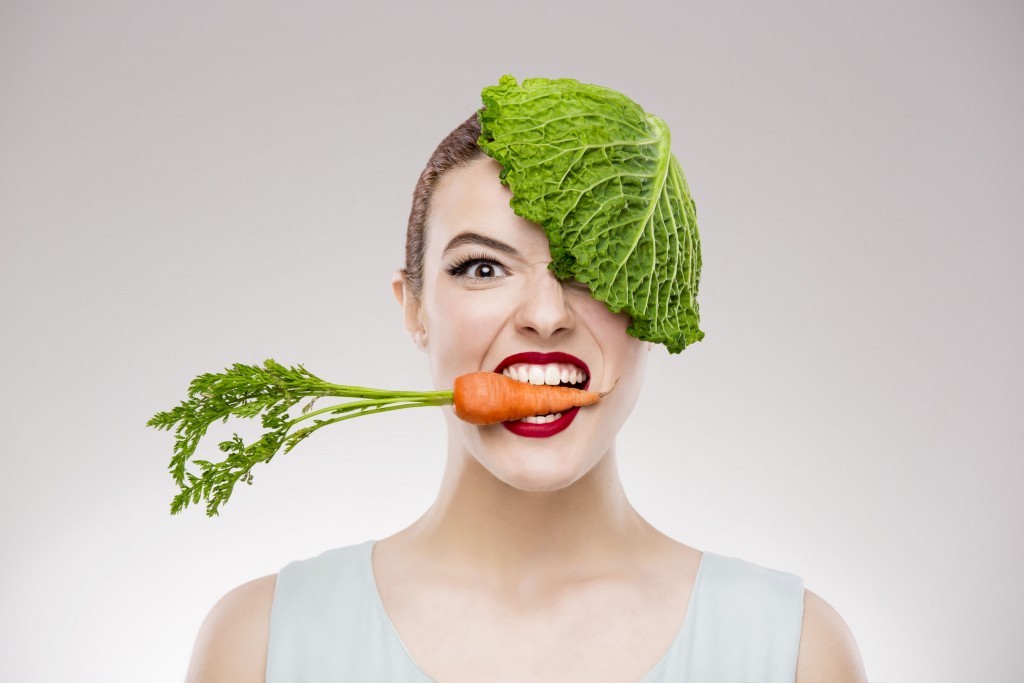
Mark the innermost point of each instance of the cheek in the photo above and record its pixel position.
(596, 311)
(461, 326)
(607, 327)
(624, 355)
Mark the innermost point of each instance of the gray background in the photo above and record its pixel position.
(186, 185)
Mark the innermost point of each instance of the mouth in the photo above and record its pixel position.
(553, 369)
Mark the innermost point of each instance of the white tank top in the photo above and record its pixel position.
(328, 623)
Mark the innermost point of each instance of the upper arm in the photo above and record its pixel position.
(828, 651)
(232, 642)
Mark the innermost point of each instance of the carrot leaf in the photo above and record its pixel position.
(268, 392)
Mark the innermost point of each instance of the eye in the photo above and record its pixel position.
(477, 269)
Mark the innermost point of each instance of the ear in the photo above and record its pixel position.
(414, 319)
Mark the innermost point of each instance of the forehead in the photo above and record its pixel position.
(472, 198)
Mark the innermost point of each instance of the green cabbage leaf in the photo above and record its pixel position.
(597, 173)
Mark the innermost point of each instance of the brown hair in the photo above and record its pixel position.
(457, 149)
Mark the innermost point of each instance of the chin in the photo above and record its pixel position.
(537, 484)
(533, 464)
(540, 473)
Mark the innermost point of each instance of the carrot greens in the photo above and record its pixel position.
(270, 391)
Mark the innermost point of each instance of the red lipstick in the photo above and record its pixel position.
(535, 358)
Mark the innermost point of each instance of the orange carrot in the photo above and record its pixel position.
(487, 397)
(249, 391)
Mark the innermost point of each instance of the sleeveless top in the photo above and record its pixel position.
(327, 623)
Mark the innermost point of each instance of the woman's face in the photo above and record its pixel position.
(488, 295)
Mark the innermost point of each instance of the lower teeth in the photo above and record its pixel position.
(541, 419)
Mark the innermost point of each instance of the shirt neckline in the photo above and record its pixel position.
(677, 641)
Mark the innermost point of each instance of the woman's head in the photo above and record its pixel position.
(477, 290)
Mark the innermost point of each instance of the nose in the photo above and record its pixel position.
(544, 310)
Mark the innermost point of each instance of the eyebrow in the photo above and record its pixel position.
(477, 238)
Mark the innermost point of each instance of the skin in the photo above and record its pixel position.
(531, 565)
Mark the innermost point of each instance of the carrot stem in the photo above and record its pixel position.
(294, 438)
(432, 398)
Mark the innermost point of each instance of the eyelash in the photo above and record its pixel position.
(459, 267)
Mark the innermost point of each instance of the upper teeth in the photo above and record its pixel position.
(552, 373)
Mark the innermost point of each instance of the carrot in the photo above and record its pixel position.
(483, 398)
(271, 391)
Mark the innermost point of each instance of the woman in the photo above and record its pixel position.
(531, 565)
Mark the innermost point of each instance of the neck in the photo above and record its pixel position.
(516, 538)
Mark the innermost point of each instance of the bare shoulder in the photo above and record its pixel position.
(232, 642)
(828, 651)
